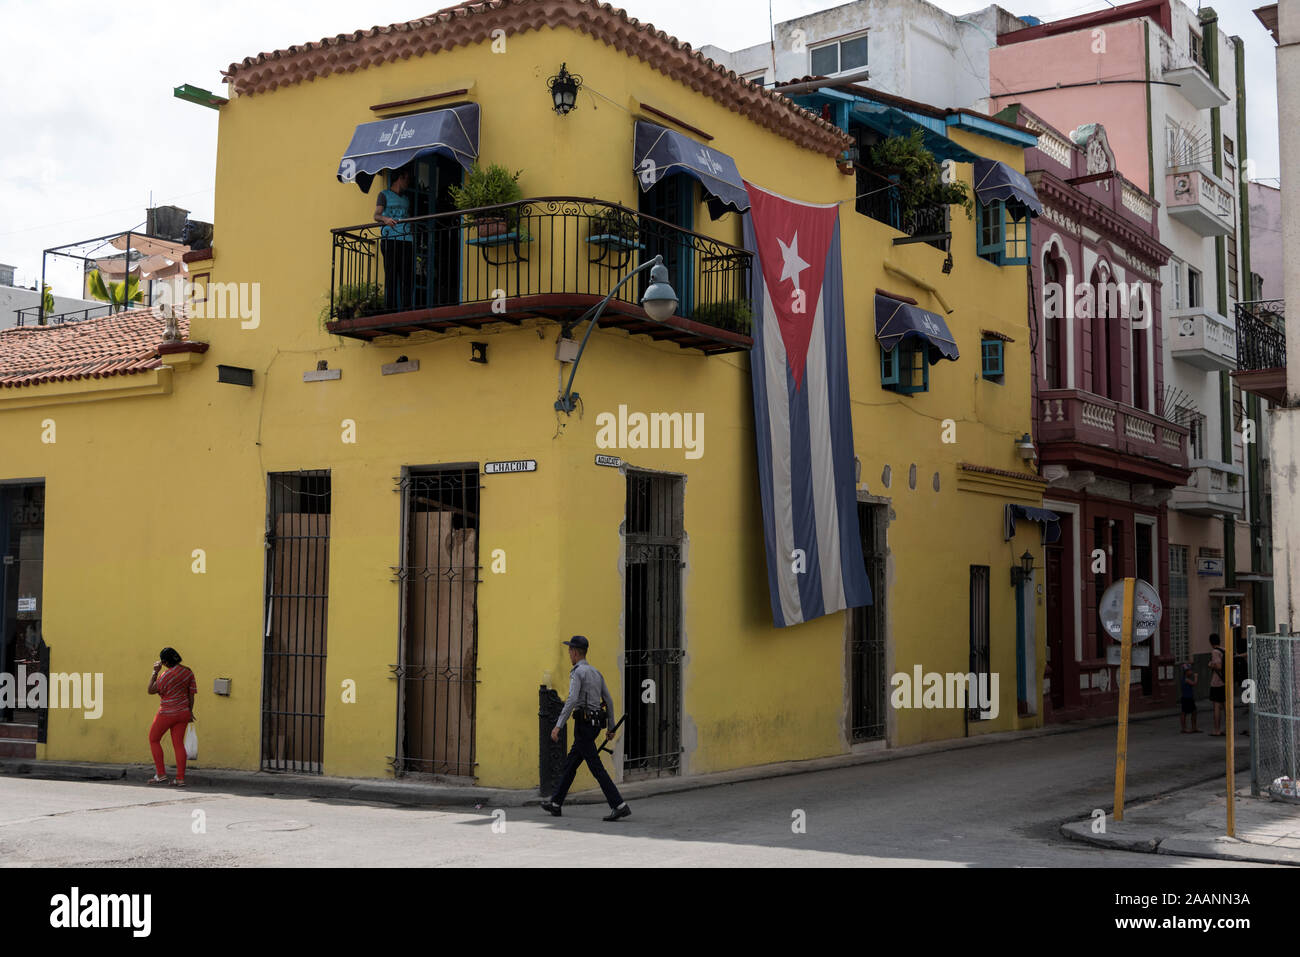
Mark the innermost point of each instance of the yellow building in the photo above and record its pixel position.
(297, 491)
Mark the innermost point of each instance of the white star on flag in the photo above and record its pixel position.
(792, 265)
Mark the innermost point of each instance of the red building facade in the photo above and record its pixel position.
(1111, 456)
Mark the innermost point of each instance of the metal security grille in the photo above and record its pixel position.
(437, 667)
(297, 597)
(22, 602)
(1275, 714)
(867, 641)
(1179, 634)
(979, 627)
(652, 604)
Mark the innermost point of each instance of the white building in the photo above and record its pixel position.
(911, 48)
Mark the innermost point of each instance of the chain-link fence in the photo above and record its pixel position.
(1275, 712)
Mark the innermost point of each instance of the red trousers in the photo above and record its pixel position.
(177, 722)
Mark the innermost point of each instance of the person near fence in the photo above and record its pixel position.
(396, 241)
(176, 687)
(592, 707)
(1217, 688)
(1187, 684)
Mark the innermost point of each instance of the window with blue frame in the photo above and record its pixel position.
(992, 359)
(906, 369)
(1002, 232)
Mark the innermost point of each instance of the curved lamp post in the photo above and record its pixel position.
(659, 303)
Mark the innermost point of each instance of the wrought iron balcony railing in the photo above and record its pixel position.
(1261, 335)
(550, 256)
(879, 198)
(31, 316)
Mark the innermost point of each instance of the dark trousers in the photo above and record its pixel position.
(399, 273)
(584, 749)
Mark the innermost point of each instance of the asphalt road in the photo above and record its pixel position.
(999, 804)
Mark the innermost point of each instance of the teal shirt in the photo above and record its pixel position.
(396, 206)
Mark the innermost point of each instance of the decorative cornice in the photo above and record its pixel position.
(1060, 199)
(476, 22)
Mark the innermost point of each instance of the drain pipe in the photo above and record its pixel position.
(927, 286)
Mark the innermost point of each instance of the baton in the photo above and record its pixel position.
(609, 734)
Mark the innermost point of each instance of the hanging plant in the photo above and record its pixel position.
(920, 176)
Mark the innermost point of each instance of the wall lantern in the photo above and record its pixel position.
(564, 87)
(478, 352)
(1024, 571)
(1026, 446)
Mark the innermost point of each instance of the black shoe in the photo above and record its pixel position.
(551, 808)
(617, 813)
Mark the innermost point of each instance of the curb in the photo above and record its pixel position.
(450, 795)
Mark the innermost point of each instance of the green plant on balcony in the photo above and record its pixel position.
(919, 175)
(354, 300)
(118, 295)
(493, 185)
(736, 314)
(616, 223)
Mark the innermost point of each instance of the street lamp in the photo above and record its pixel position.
(564, 88)
(659, 303)
(1024, 571)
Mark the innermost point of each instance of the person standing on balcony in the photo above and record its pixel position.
(396, 242)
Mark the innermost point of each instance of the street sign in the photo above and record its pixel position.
(500, 468)
(1141, 656)
(1147, 610)
(609, 461)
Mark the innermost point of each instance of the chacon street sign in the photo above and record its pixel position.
(520, 465)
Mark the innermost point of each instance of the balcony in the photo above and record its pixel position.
(1213, 489)
(1091, 432)
(1196, 86)
(1261, 349)
(1203, 339)
(550, 257)
(1200, 199)
(880, 200)
(33, 316)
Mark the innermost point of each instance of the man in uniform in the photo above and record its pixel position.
(592, 707)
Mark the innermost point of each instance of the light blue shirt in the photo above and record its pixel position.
(396, 206)
(587, 690)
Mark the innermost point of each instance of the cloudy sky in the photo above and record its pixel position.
(92, 134)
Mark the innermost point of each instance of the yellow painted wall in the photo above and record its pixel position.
(134, 485)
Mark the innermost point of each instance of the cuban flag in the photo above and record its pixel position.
(802, 419)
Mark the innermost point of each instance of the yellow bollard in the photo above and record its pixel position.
(1230, 712)
(1125, 662)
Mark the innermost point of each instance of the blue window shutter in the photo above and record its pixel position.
(991, 351)
(889, 367)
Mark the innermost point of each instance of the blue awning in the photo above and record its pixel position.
(889, 121)
(896, 320)
(660, 152)
(998, 181)
(1051, 521)
(391, 144)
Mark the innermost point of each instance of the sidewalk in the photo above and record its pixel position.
(430, 794)
(1191, 823)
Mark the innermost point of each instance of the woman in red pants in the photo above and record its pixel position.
(176, 687)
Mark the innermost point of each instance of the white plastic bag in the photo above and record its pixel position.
(191, 743)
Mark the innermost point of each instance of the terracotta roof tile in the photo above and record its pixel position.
(473, 22)
(123, 344)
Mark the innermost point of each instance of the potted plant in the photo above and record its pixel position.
(354, 300)
(917, 174)
(491, 186)
(614, 229)
(736, 314)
